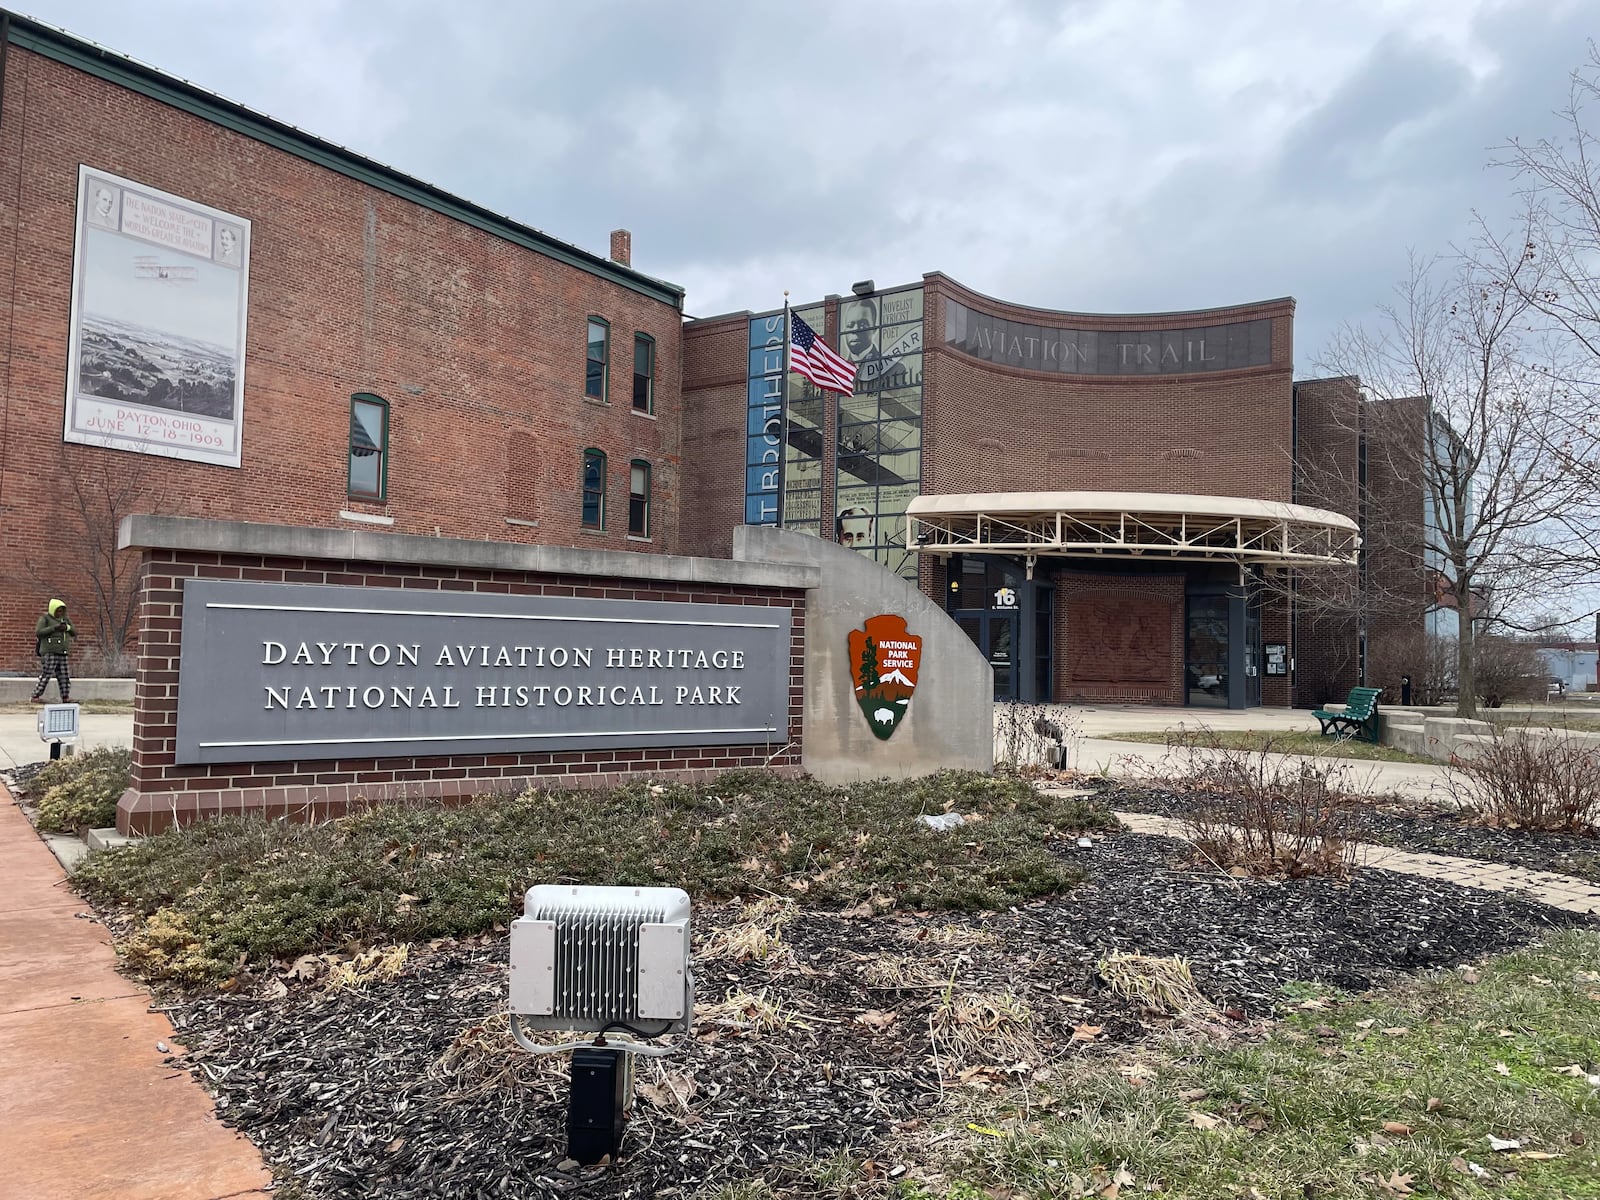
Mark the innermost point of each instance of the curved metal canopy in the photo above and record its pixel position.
(1156, 525)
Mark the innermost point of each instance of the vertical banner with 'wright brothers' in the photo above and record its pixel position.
(160, 289)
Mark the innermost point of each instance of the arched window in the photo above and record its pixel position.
(594, 489)
(369, 447)
(639, 498)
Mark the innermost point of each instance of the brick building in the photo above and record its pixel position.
(210, 313)
(215, 314)
(1116, 507)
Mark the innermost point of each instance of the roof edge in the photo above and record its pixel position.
(1185, 314)
(117, 68)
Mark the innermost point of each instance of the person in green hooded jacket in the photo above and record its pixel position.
(53, 634)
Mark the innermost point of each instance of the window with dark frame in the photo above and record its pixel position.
(594, 489)
(594, 379)
(369, 448)
(639, 499)
(644, 373)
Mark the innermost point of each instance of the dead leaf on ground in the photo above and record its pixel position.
(1201, 1120)
(1085, 1033)
(1193, 1095)
(1397, 1030)
(1470, 975)
(1392, 1184)
(1572, 1069)
(672, 1091)
(1501, 1069)
(877, 1019)
(1503, 1144)
(1435, 1104)
(1398, 1128)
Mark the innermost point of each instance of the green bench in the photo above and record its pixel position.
(1359, 718)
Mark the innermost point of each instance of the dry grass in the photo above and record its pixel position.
(747, 1012)
(382, 965)
(974, 1028)
(756, 935)
(1164, 985)
(904, 972)
(485, 1058)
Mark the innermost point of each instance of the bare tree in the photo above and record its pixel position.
(1460, 410)
(1553, 266)
(99, 488)
(1559, 181)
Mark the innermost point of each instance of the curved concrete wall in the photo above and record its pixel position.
(949, 721)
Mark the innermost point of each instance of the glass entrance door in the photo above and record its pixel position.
(995, 635)
(1001, 650)
(1206, 651)
(1252, 656)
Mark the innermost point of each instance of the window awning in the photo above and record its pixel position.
(1154, 525)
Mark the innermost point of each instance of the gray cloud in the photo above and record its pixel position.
(1093, 155)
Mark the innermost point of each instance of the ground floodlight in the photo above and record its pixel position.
(598, 959)
(58, 723)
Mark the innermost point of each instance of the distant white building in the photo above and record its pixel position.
(1574, 666)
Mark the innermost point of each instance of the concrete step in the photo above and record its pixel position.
(107, 839)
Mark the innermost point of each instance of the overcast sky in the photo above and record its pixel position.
(1089, 155)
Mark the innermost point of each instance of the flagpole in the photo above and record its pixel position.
(783, 411)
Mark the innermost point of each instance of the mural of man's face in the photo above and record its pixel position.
(103, 201)
(227, 239)
(855, 527)
(858, 334)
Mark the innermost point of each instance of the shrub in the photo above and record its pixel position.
(1257, 812)
(234, 891)
(81, 792)
(1029, 734)
(1526, 779)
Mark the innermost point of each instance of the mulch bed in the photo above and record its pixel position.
(410, 1088)
(1412, 825)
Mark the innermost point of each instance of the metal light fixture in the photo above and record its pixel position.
(864, 288)
(58, 723)
(597, 959)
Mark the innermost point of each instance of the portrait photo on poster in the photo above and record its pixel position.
(156, 351)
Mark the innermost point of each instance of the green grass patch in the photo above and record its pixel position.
(1577, 724)
(81, 791)
(1390, 1095)
(1284, 741)
(91, 707)
(221, 895)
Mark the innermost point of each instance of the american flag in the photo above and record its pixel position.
(810, 355)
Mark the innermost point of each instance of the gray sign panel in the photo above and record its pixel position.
(1106, 352)
(271, 672)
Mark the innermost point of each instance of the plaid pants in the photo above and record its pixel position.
(56, 665)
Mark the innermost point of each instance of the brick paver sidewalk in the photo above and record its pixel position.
(1558, 891)
(88, 1108)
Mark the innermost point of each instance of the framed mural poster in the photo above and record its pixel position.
(160, 286)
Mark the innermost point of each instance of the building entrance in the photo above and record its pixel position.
(995, 635)
(1206, 652)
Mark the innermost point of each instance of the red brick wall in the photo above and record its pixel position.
(477, 343)
(1095, 634)
(716, 363)
(995, 428)
(164, 791)
(1328, 440)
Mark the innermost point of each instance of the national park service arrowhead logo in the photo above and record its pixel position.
(883, 661)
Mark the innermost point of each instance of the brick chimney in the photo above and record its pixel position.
(622, 247)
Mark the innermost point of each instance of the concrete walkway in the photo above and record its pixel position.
(88, 1108)
(1558, 891)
